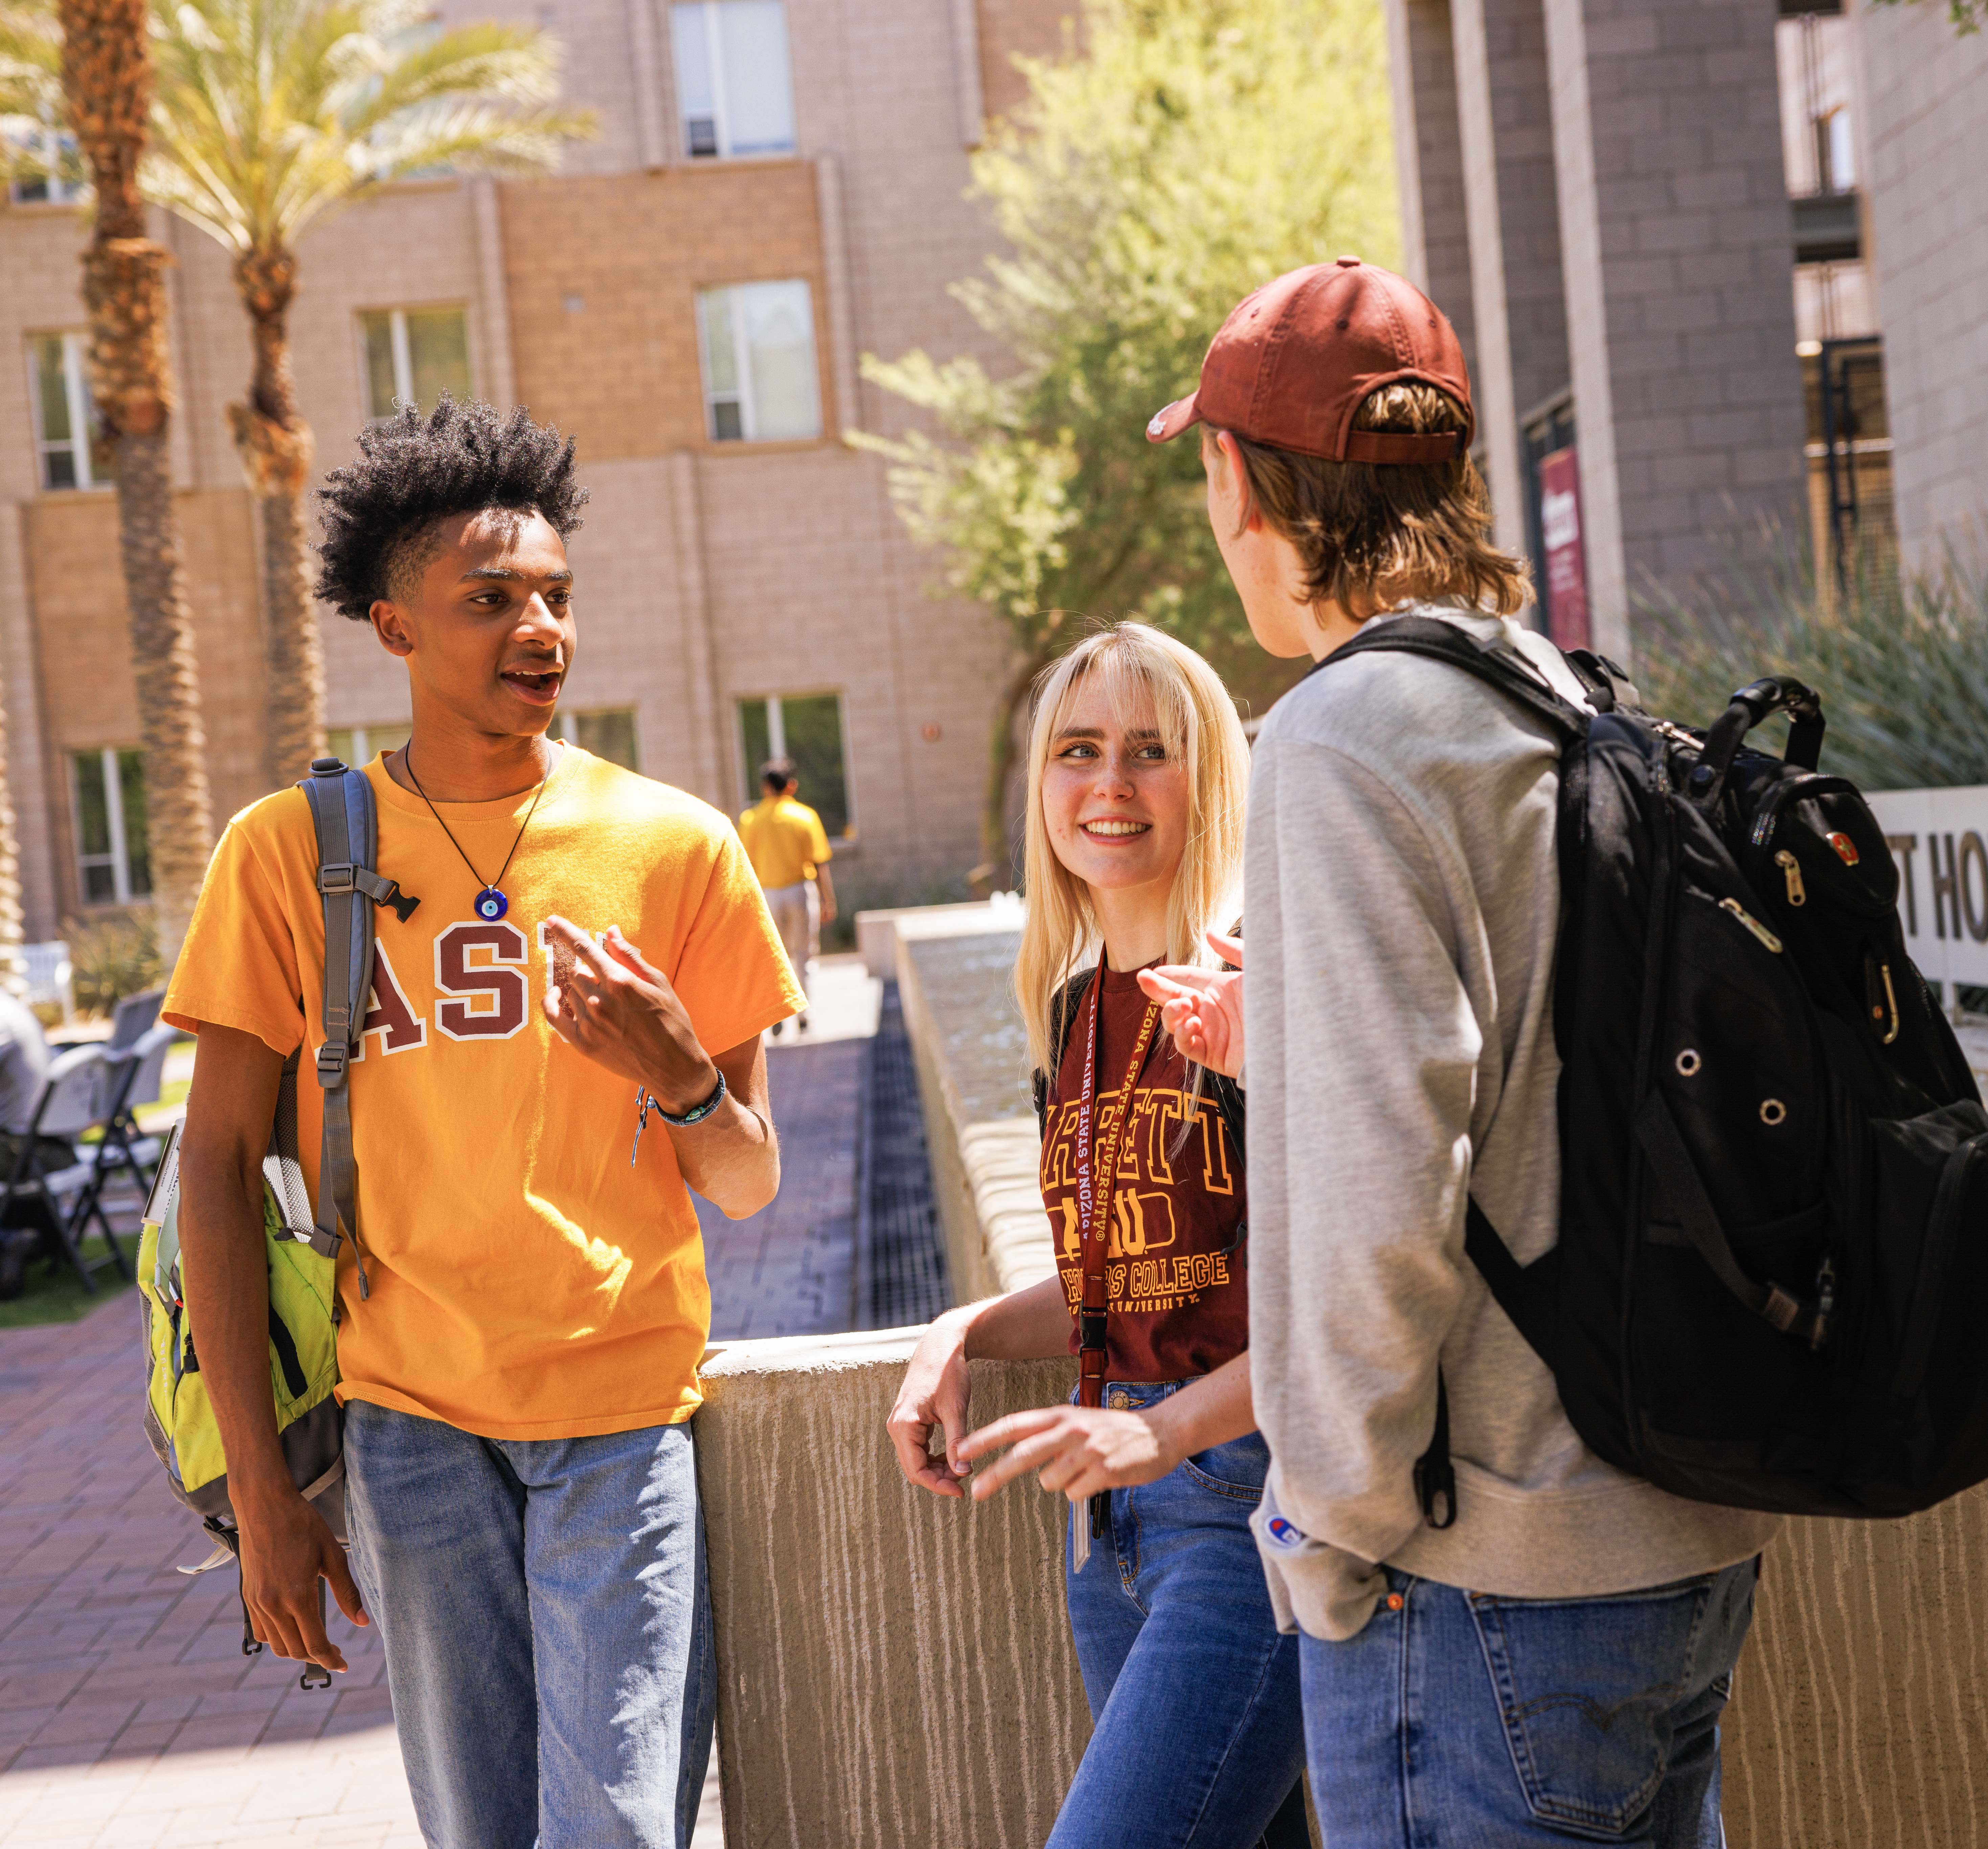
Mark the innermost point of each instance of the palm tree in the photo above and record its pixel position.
(272, 114)
(91, 64)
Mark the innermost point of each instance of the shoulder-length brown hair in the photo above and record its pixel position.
(1372, 537)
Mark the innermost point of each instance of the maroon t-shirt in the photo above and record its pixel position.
(1178, 1305)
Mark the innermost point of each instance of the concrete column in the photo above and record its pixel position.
(1676, 252)
(700, 666)
(966, 71)
(1429, 161)
(1507, 147)
(493, 300)
(651, 116)
(840, 306)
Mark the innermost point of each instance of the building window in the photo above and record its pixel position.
(355, 745)
(609, 735)
(46, 169)
(734, 93)
(413, 355)
(70, 440)
(806, 727)
(757, 339)
(107, 790)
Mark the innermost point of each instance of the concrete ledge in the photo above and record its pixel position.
(1002, 1163)
(894, 1670)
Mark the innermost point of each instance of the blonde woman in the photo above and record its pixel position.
(1138, 769)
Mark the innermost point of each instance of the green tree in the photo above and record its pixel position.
(1967, 16)
(89, 66)
(1192, 150)
(272, 114)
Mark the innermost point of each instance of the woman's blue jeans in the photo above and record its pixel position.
(1459, 1720)
(547, 1626)
(1199, 1730)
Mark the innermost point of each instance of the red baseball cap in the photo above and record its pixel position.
(1294, 361)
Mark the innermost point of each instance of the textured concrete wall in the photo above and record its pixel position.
(1925, 90)
(1428, 161)
(895, 1671)
(1860, 1716)
(1675, 249)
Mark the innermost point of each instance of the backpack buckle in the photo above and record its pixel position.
(339, 877)
(331, 1062)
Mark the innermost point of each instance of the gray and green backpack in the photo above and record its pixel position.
(302, 1249)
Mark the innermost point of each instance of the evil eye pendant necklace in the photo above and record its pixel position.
(490, 902)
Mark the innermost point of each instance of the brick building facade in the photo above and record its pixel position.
(689, 297)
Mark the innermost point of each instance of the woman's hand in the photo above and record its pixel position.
(1078, 1450)
(934, 1392)
(1202, 1009)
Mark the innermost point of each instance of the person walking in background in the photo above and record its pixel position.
(1136, 771)
(1544, 1652)
(789, 852)
(523, 1300)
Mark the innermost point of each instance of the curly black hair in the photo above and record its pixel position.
(380, 511)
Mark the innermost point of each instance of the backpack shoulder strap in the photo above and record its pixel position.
(1495, 664)
(341, 810)
(1063, 1010)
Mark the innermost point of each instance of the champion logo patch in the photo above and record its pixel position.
(1283, 1532)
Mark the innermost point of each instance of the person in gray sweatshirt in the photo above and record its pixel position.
(1550, 1664)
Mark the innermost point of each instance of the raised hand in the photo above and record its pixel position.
(607, 1001)
(1202, 1008)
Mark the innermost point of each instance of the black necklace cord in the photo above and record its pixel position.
(482, 885)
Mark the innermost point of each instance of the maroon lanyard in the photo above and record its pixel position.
(1095, 1191)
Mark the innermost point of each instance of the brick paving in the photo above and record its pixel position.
(128, 1715)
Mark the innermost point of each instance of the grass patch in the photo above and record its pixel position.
(55, 1293)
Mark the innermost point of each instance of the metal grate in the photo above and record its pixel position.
(901, 1276)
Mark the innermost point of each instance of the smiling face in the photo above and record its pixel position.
(1115, 795)
(485, 622)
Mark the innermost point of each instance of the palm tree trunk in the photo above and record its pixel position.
(275, 446)
(107, 80)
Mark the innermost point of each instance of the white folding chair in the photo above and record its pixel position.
(74, 1097)
(135, 1078)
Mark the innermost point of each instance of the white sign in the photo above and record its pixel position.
(1939, 839)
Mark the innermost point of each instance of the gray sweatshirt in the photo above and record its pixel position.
(1402, 903)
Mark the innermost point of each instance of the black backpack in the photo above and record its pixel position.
(1773, 1264)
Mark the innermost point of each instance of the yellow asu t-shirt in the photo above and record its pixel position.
(785, 840)
(526, 1280)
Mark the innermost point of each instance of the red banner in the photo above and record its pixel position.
(1566, 565)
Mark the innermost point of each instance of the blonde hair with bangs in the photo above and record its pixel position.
(1196, 718)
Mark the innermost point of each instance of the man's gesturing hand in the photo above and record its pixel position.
(608, 1000)
(1202, 1009)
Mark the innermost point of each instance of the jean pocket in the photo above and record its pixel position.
(1590, 1690)
(1236, 1469)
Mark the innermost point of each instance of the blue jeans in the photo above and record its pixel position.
(547, 1626)
(1458, 1718)
(1199, 1741)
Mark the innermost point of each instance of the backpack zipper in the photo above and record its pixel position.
(1791, 871)
(1752, 923)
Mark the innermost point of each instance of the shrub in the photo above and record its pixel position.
(114, 954)
(1901, 664)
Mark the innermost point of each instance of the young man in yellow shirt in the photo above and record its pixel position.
(519, 1354)
(789, 851)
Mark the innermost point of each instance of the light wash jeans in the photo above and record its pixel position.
(1458, 1720)
(1199, 1732)
(547, 1627)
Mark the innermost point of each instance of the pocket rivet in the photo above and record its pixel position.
(1688, 1064)
(1395, 1601)
(1774, 1112)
